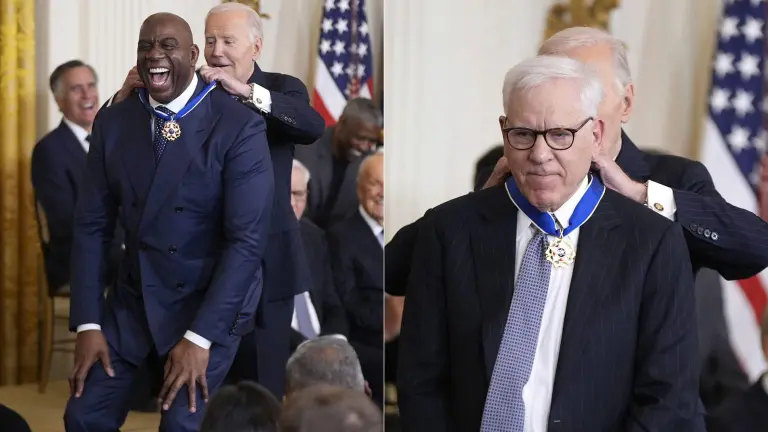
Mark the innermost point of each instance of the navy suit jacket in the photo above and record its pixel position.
(628, 356)
(58, 162)
(196, 226)
(739, 251)
(291, 120)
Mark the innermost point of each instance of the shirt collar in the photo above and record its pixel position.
(177, 104)
(375, 227)
(80, 133)
(563, 214)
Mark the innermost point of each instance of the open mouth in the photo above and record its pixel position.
(88, 106)
(158, 76)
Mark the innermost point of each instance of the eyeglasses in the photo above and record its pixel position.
(557, 138)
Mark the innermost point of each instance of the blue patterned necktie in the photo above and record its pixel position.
(302, 316)
(504, 408)
(159, 141)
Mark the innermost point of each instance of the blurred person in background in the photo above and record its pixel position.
(334, 161)
(325, 360)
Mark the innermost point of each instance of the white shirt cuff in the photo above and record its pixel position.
(661, 199)
(262, 98)
(84, 327)
(197, 340)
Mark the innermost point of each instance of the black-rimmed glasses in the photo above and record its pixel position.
(557, 138)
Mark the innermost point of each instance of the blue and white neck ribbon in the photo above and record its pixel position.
(545, 221)
(192, 104)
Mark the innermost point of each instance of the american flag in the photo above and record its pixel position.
(344, 66)
(735, 140)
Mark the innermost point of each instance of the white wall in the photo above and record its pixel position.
(444, 73)
(104, 34)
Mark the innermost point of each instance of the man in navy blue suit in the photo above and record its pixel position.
(185, 170)
(549, 302)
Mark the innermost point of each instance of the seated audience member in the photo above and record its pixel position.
(484, 166)
(746, 411)
(324, 408)
(357, 259)
(334, 160)
(58, 163)
(11, 421)
(325, 360)
(318, 311)
(245, 407)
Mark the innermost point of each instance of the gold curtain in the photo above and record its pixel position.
(19, 251)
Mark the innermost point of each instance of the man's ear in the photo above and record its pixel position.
(597, 136)
(257, 50)
(195, 54)
(627, 103)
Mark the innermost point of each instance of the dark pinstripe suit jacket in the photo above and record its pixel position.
(628, 356)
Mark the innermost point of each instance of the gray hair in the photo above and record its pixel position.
(325, 360)
(366, 162)
(364, 110)
(533, 72)
(301, 167)
(254, 20)
(581, 37)
(57, 76)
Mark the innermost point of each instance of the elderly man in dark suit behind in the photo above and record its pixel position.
(185, 169)
(58, 162)
(549, 302)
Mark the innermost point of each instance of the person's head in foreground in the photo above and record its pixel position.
(324, 408)
(166, 56)
(607, 55)
(245, 407)
(325, 360)
(233, 38)
(551, 127)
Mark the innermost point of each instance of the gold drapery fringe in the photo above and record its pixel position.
(20, 248)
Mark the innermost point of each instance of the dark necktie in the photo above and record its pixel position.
(158, 139)
(88, 138)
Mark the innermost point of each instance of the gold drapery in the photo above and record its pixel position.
(19, 251)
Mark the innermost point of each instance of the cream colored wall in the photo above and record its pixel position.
(104, 33)
(444, 74)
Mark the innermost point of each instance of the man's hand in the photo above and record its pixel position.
(393, 316)
(90, 346)
(499, 175)
(186, 365)
(132, 81)
(762, 189)
(616, 179)
(230, 84)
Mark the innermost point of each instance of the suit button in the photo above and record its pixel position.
(172, 249)
(144, 246)
(178, 209)
(694, 227)
(707, 233)
(715, 236)
(700, 230)
(179, 285)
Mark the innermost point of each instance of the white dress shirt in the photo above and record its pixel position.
(261, 98)
(661, 199)
(537, 392)
(80, 133)
(175, 105)
(378, 230)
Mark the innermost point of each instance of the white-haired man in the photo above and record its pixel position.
(505, 330)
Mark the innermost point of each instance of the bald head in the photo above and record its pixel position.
(166, 56)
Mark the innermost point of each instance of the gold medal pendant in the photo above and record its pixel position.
(560, 252)
(171, 130)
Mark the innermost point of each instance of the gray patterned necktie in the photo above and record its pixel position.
(504, 408)
(158, 139)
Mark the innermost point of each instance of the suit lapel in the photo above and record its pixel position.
(71, 143)
(590, 282)
(139, 157)
(493, 246)
(631, 160)
(195, 126)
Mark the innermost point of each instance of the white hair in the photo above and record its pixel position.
(536, 71)
(301, 167)
(366, 162)
(254, 20)
(581, 37)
